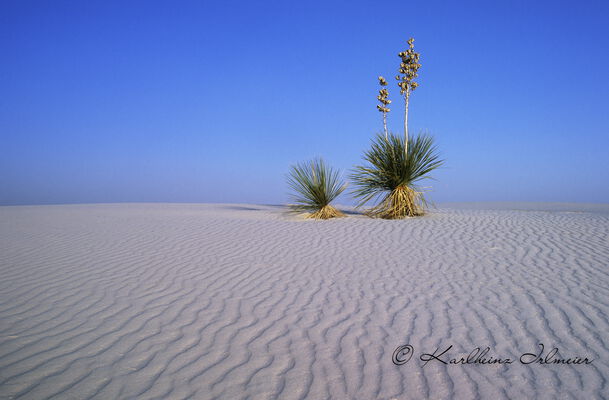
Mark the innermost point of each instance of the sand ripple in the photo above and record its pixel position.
(242, 302)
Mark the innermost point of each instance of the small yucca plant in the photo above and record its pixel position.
(394, 167)
(315, 186)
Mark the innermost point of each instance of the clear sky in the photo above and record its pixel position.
(212, 101)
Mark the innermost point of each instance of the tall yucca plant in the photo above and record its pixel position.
(394, 167)
(315, 186)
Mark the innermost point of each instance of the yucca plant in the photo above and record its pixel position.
(394, 167)
(315, 186)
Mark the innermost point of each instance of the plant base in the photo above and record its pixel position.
(402, 202)
(326, 212)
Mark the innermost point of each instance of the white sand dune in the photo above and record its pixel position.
(168, 301)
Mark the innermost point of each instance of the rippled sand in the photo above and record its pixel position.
(175, 301)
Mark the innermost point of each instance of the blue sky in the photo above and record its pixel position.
(108, 101)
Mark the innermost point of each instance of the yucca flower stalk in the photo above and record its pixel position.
(408, 71)
(383, 98)
(393, 169)
(315, 186)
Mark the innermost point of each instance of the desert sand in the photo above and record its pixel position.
(233, 301)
